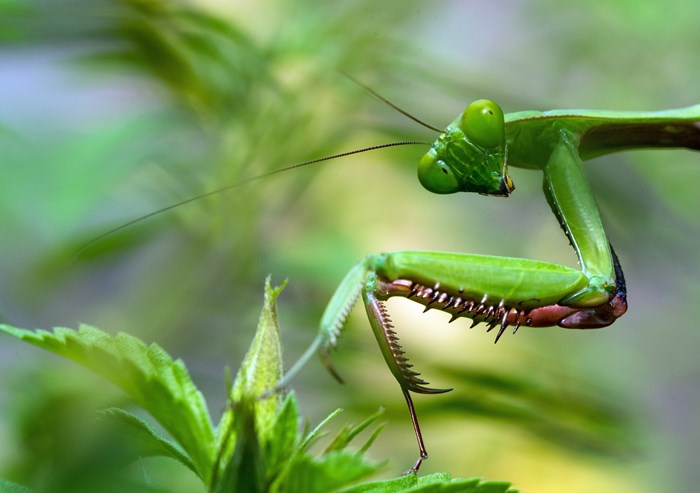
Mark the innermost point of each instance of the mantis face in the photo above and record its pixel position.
(469, 156)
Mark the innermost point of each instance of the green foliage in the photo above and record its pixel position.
(9, 487)
(439, 482)
(262, 367)
(146, 441)
(577, 419)
(147, 374)
(257, 446)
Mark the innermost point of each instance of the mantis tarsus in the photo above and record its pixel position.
(473, 155)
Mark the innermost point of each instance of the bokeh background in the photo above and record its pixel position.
(110, 109)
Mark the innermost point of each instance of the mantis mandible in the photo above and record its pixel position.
(473, 154)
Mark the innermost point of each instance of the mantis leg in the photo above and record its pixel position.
(499, 291)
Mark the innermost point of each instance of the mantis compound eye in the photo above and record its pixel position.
(483, 124)
(436, 176)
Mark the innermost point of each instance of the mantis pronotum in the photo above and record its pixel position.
(473, 155)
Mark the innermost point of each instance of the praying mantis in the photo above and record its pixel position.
(473, 154)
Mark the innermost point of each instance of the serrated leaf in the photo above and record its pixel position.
(386, 486)
(432, 483)
(147, 441)
(10, 487)
(156, 382)
(444, 483)
(326, 473)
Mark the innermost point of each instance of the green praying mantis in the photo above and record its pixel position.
(473, 154)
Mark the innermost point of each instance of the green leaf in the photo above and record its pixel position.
(335, 468)
(260, 370)
(439, 482)
(147, 441)
(10, 487)
(316, 433)
(584, 418)
(284, 443)
(349, 431)
(244, 470)
(147, 374)
(326, 473)
(262, 366)
(386, 486)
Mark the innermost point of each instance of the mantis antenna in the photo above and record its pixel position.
(381, 98)
(241, 183)
(251, 179)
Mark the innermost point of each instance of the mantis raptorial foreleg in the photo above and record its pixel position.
(499, 291)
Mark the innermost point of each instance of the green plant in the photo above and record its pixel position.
(258, 445)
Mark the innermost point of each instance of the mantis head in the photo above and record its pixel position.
(470, 155)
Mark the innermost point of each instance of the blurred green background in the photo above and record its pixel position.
(110, 109)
